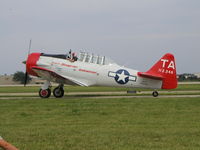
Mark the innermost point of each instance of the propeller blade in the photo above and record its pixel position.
(29, 48)
(24, 62)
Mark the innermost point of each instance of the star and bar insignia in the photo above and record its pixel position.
(122, 76)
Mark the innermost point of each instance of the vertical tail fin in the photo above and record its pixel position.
(165, 70)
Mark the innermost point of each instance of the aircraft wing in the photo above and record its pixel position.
(150, 75)
(55, 77)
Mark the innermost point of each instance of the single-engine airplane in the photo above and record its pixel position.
(93, 70)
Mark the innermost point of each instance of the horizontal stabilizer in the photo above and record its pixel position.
(151, 76)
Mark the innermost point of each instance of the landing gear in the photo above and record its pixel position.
(155, 94)
(58, 92)
(45, 90)
(44, 93)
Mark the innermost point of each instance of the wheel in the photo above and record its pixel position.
(58, 92)
(44, 93)
(155, 94)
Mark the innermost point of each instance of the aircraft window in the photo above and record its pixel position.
(81, 56)
(87, 58)
(90, 58)
(99, 60)
(94, 59)
(103, 60)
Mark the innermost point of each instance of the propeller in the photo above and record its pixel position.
(24, 62)
(26, 78)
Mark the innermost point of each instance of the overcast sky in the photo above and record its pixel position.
(134, 33)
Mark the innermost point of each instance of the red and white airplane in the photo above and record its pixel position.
(92, 70)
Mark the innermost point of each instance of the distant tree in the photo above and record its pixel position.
(193, 78)
(188, 77)
(181, 77)
(19, 76)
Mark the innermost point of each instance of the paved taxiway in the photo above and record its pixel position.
(106, 93)
(101, 95)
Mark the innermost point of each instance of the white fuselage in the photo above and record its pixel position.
(91, 74)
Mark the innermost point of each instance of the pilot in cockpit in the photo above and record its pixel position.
(72, 57)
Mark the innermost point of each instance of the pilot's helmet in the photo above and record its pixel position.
(73, 54)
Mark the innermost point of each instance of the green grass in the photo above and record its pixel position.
(183, 87)
(89, 89)
(101, 124)
(33, 89)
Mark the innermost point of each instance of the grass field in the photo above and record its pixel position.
(101, 124)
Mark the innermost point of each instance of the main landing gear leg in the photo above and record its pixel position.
(45, 90)
(155, 94)
(58, 92)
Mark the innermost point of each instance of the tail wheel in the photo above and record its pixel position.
(58, 92)
(44, 93)
(155, 94)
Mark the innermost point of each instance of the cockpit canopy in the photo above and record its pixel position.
(95, 59)
(84, 57)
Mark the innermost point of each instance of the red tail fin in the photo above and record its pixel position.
(164, 69)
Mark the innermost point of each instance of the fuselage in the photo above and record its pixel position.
(92, 74)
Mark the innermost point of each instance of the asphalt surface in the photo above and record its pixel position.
(101, 95)
(105, 93)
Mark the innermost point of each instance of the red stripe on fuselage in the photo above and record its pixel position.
(83, 70)
(66, 65)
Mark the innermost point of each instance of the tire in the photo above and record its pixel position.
(58, 92)
(155, 94)
(44, 93)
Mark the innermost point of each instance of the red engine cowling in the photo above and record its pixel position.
(32, 61)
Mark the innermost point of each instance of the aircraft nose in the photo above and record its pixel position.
(32, 61)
